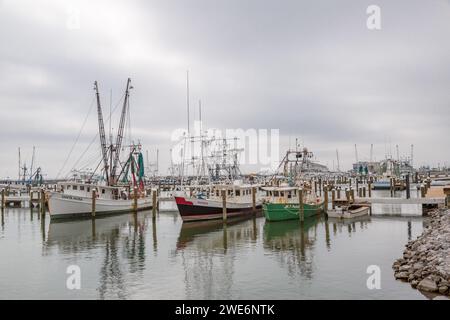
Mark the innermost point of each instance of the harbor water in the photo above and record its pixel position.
(133, 257)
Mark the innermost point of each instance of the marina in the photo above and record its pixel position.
(231, 151)
(133, 256)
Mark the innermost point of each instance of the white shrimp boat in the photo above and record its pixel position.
(75, 200)
(349, 212)
(124, 187)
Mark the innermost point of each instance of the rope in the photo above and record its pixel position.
(76, 140)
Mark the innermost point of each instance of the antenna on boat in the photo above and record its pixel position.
(187, 100)
(32, 163)
(19, 163)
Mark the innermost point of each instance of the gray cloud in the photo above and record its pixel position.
(311, 69)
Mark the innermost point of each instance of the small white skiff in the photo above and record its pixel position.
(348, 212)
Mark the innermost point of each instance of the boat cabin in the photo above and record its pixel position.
(215, 191)
(79, 189)
(281, 194)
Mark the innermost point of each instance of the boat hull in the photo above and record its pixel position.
(192, 209)
(65, 206)
(283, 211)
(348, 214)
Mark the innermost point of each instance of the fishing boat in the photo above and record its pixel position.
(121, 190)
(76, 200)
(282, 203)
(349, 212)
(207, 202)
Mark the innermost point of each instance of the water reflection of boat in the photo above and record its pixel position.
(189, 231)
(274, 231)
(291, 243)
(365, 218)
(119, 244)
(74, 231)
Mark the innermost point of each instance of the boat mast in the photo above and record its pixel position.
(120, 134)
(19, 164)
(32, 162)
(101, 129)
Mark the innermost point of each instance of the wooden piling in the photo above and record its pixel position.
(325, 196)
(333, 199)
(369, 188)
(224, 205)
(3, 199)
(422, 191)
(154, 205)
(320, 186)
(300, 205)
(338, 191)
(408, 190)
(94, 200)
(42, 202)
(254, 199)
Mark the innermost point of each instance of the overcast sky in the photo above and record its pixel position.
(311, 69)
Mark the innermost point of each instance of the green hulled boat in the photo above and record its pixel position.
(282, 204)
(281, 212)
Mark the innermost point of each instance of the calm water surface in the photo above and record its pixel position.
(129, 257)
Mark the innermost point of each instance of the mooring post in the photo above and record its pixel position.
(333, 198)
(422, 191)
(154, 205)
(320, 186)
(369, 187)
(94, 199)
(3, 199)
(42, 202)
(300, 205)
(408, 190)
(135, 199)
(347, 195)
(325, 196)
(338, 191)
(447, 197)
(224, 205)
(254, 199)
(364, 191)
(315, 187)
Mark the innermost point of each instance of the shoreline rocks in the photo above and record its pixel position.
(426, 261)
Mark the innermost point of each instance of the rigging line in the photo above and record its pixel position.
(95, 137)
(76, 140)
(82, 154)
